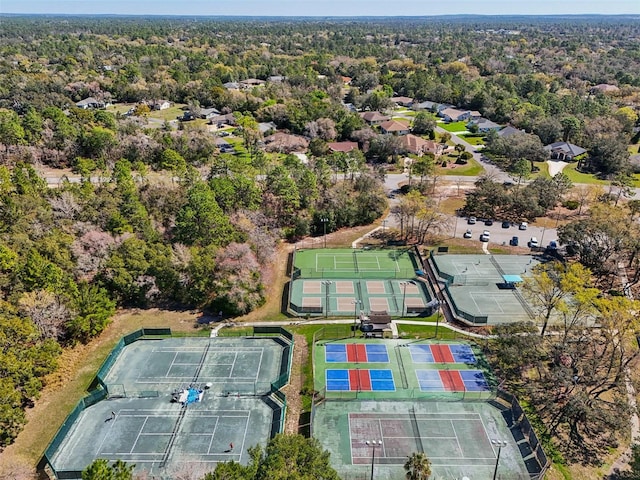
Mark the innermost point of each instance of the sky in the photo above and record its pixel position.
(322, 7)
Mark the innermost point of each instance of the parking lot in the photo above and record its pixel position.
(503, 236)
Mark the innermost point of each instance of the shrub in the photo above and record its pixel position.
(571, 204)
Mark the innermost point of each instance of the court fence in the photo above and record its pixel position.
(99, 390)
(535, 459)
(320, 273)
(406, 394)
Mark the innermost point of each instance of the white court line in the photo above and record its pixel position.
(171, 364)
(235, 357)
(378, 262)
(138, 436)
(213, 434)
(244, 436)
(381, 436)
(397, 265)
(457, 440)
(486, 432)
(257, 375)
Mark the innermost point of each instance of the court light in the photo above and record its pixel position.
(500, 444)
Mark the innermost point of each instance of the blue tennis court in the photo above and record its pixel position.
(356, 353)
(437, 353)
(452, 381)
(360, 380)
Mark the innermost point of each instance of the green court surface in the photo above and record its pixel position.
(345, 282)
(405, 371)
(247, 366)
(455, 436)
(454, 429)
(143, 424)
(355, 263)
(477, 290)
(344, 297)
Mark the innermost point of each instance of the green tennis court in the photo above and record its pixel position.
(146, 421)
(356, 263)
(418, 410)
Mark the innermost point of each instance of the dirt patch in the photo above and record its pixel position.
(293, 389)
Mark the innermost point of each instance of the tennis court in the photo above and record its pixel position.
(452, 381)
(456, 437)
(356, 352)
(360, 380)
(181, 403)
(356, 263)
(348, 297)
(477, 290)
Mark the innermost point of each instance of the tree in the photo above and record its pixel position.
(101, 470)
(92, 312)
(423, 123)
(201, 221)
(418, 467)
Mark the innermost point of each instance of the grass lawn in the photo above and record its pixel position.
(454, 126)
(471, 169)
(634, 149)
(450, 205)
(578, 177)
(168, 114)
(473, 139)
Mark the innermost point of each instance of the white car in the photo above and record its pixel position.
(534, 243)
(485, 236)
(467, 234)
(523, 226)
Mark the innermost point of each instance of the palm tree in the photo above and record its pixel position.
(418, 467)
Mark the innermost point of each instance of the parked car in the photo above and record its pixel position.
(523, 226)
(471, 220)
(488, 222)
(514, 241)
(553, 245)
(467, 234)
(506, 224)
(534, 243)
(485, 236)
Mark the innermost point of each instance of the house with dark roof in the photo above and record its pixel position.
(344, 147)
(222, 120)
(251, 83)
(564, 151)
(454, 115)
(374, 118)
(419, 146)
(395, 127)
(402, 101)
(507, 131)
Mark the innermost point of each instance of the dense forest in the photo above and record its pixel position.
(163, 215)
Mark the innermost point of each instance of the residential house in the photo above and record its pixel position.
(282, 142)
(267, 127)
(395, 127)
(507, 131)
(251, 83)
(427, 105)
(374, 118)
(276, 78)
(454, 115)
(208, 113)
(231, 85)
(475, 114)
(419, 146)
(222, 120)
(484, 125)
(90, 103)
(159, 104)
(344, 147)
(346, 80)
(402, 101)
(564, 151)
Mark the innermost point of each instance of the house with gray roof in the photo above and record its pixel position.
(484, 124)
(564, 151)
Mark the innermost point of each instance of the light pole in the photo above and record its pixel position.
(324, 221)
(499, 444)
(404, 295)
(355, 314)
(327, 284)
(373, 444)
